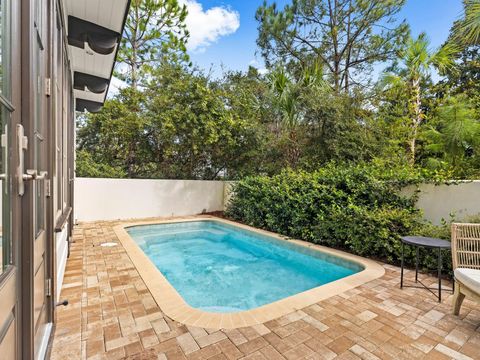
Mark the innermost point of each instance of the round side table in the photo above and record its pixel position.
(430, 243)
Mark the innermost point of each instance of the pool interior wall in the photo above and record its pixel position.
(221, 268)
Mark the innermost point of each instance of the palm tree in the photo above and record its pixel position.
(286, 91)
(456, 131)
(416, 64)
(466, 31)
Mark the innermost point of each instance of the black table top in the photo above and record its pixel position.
(426, 242)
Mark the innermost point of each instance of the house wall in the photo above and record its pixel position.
(111, 199)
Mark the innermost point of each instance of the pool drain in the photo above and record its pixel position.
(109, 244)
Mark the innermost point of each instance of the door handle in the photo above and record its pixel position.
(35, 175)
(22, 146)
(30, 174)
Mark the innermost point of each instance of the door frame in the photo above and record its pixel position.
(27, 236)
(10, 289)
(27, 246)
(16, 200)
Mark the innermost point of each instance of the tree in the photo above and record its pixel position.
(286, 96)
(464, 77)
(287, 90)
(454, 135)
(311, 108)
(345, 36)
(154, 30)
(248, 95)
(179, 125)
(87, 166)
(416, 63)
(115, 137)
(466, 31)
(193, 133)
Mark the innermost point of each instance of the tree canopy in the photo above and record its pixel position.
(155, 31)
(345, 36)
(318, 103)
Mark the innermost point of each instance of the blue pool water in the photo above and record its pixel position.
(218, 267)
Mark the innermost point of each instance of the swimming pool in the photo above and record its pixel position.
(218, 274)
(221, 268)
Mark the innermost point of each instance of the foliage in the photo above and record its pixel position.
(466, 31)
(345, 36)
(114, 137)
(320, 156)
(339, 129)
(154, 31)
(454, 136)
(309, 109)
(192, 131)
(178, 127)
(464, 77)
(247, 95)
(287, 96)
(473, 219)
(345, 207)
(417, 61)
(286, 91)
(86, 166)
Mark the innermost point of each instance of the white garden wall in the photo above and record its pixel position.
(438, 201)
(111, 199)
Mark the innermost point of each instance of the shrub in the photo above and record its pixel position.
(347, 207)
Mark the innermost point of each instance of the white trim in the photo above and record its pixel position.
(42, 351)
(62, 252)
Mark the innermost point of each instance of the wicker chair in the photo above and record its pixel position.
(466, 263)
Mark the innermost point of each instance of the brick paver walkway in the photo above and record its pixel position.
(113, 316)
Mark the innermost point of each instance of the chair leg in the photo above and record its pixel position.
(457, 299)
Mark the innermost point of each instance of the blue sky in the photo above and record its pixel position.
(224, 32)
(234, 45)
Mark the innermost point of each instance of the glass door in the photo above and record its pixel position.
(6, 108)
(9, 200)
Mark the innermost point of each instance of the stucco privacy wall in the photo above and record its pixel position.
(462, 199)
(111, 199)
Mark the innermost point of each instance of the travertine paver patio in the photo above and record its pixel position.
(112, 316)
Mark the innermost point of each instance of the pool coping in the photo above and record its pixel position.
(175, 307)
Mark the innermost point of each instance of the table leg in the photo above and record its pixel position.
(416, 264)
(401, 271)
(439, 275)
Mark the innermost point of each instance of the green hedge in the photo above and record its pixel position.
(343, 207)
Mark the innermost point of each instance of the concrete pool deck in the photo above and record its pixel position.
(174, 306)
(113, 315)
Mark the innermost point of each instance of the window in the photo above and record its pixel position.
(6, 133)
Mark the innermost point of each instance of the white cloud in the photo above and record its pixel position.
(207, 26)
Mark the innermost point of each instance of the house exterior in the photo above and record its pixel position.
(56, 56)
